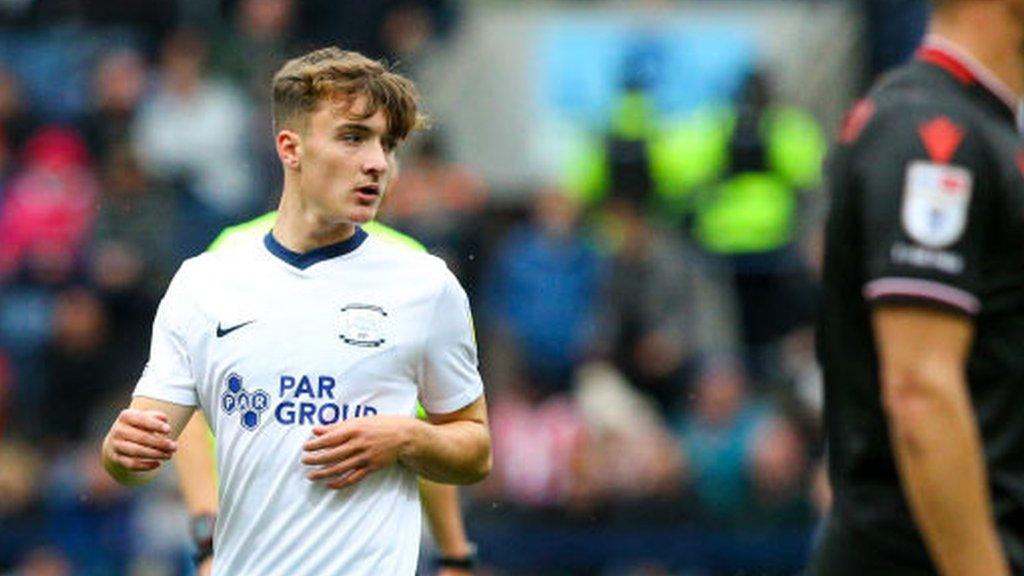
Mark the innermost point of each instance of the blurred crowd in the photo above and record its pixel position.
(644, 322)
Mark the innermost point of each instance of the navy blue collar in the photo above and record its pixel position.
(307, 259)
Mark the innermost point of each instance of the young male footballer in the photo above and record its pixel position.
(308, 349)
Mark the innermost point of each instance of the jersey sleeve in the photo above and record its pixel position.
(169, 375)
(450, 379)
(924, 202)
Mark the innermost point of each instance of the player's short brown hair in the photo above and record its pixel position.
(332, 73)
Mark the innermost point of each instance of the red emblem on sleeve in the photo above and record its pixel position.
(941, 138)
(855, 121)
(1020, 162)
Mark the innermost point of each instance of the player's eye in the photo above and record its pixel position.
(351, 138)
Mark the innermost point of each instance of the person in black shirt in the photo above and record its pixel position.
(921, 336)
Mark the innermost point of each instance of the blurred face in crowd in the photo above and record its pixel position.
(720, 395)
(120, 81)
(266, 19)
(555, 212)
(184, 56)
(344, 161)
(10, 95)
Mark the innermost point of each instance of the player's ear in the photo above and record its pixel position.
(289, 149)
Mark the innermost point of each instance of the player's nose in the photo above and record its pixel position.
(376, 160)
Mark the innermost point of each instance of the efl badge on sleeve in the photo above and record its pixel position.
(936, 198)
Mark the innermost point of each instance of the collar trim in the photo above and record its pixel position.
(303, 260)
(965, 68)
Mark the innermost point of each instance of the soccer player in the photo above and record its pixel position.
(922, 325)
(307, 351)
(195, 462)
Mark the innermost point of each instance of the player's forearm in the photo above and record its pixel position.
(196, 467)
(441, 504)
(939, 455)
(453, 453)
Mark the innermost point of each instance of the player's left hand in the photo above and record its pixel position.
(346, 452)
(205, 568)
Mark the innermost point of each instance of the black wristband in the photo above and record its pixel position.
(202, 555)
(464, 563)
(467, 562)
(202, 527)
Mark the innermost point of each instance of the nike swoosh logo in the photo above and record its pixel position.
(222, 332)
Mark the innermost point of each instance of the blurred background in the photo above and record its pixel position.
(628, 190)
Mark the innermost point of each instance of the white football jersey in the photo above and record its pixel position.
(270, 343)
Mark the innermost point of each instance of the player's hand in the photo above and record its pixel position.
(139, 440)
(205, 567)
(346, 452)
(454, 572)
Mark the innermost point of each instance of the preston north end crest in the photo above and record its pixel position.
(363, 325)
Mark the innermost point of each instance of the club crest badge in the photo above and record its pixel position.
(363, 325)
(936, 199)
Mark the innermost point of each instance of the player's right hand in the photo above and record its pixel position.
(139, 440)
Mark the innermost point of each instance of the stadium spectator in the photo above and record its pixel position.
(78, 366)
(6, 390)
(194, 132)
(248, 52)
(119, 83)
(636, 156)
(389, 29)
(22, 515)
(779, 476)
(259, 36)
(619, 421)
(440, 203)
(17, 121)
(538, 451)
(719, 439)
(132, 239)
(44, 561)
(660, 311)
(540, 293)
(89, 516)
(49, 204)
(45, 215)
(750, 168)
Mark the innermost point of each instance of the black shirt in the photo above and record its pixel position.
(927, 208)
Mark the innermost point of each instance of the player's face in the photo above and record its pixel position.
(346, 161)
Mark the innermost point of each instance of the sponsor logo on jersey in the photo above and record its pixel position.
(303, 400)
(249, 405)
(310, 400)
(222, 332)
(363, 325)
(948, 262)
(936, 199)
